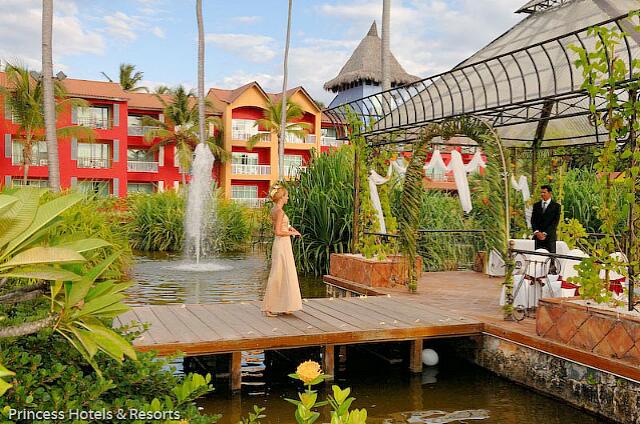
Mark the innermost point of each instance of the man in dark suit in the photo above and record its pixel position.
(544, 220)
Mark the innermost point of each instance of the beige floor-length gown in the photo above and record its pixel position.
(283, 291)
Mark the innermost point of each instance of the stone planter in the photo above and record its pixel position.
(598, 329)
(371, 272)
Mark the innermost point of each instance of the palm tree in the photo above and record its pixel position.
(162, 89)
(25, 98)
(181, 129)
(385, 55)
(49, 98)
(272, 121)
(283, 121)
(201, 122)
(129, 78)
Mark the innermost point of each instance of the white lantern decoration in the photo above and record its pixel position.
(430, 357)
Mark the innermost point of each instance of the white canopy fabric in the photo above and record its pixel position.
(476, 163)
(436, 163)
(375, 180)
(522, 185)
(462, 183)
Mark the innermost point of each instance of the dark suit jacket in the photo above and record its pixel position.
(546, 222)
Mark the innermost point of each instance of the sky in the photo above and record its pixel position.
(245, 38)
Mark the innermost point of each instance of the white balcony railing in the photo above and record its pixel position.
(308, 139)
(16, 160)
(262, 135)
(329, 141)
(293, 171)
(252, 203)
(240, 169)
(93, 163)
(140, 130)
(97, 123)
(141, 166)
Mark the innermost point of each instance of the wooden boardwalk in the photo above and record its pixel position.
(197, 329)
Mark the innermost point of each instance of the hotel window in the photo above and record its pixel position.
(94, 155)
(99, 188)
(39, 155)
(242, 158)
(42, 183)
(244, 192)
(141, 187)
(93, 116)
(292, 161)
(243, 129)
(140, 155)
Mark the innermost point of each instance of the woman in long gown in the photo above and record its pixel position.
(283, 291)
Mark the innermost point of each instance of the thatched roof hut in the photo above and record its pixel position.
(365, 65)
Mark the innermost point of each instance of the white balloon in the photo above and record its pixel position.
(430, 357)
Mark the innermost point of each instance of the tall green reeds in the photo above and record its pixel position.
(321, 208)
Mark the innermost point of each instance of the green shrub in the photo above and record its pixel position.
(49, 376)
(157, 221)
(233, 226)
(321, 208)
(101, 218)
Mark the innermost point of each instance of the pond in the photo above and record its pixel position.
(455, 391)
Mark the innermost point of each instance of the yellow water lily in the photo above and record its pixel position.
(308, 371)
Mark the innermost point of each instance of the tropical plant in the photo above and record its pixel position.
(156, 221)
(272, 121)
(310, 374)
(232, 228)
(321, 208)
(51, 377)
(29, 270)
(25, 98)
(180, 129)
(411, 202)
(130, 78)
(49, 101)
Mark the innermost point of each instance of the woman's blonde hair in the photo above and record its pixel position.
(277, 192)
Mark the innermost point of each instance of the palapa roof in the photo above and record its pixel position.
(365, 65)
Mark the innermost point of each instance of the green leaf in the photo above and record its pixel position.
(85, 245)
(80, 289)
(42, 273)
(110, 342)
(4, 386)
(39, 217)
(6, 201)
(19, 216)
(44, 255)
(85, 338)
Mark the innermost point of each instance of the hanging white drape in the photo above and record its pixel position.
(436, 162)
(375, 180)
(462, 184)
(475, 163)
(400, 166)
(522, 185)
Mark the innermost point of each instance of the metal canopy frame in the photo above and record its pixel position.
(521, 93)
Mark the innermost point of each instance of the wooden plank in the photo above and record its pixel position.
(356, 312)
(328, 318)
(426, 313)
(194, 323)
(221, 328)
(316, 323)
(253, 317)
(391, 314)
(328, 361)
(178, 332)
(236, 371)
(242, 329)
(289, 324)
(336, 309)
(415, 356)
(155, 325)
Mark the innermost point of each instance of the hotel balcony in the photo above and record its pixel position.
(100, 124)
(240, 169)
(294, 171)
(96, 163)
(308, 139)
(138, 130)
(140, 166)
(262, 136)
(36, 160)
(252, 203)
(331, 141)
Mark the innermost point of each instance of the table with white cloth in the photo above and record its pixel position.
(534, 276)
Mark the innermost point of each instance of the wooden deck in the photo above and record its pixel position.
(197, 329)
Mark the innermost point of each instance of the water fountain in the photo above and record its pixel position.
(200, 212)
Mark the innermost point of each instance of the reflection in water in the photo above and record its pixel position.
(163, 279)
